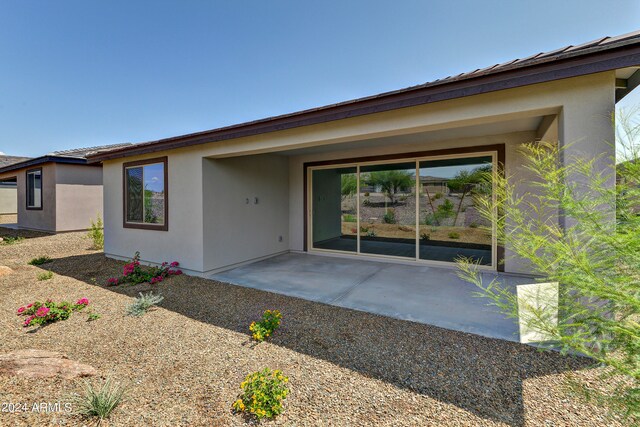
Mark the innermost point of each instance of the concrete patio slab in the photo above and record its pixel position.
(431, 295)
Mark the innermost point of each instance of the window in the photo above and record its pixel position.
(145, 194)
(34, 189)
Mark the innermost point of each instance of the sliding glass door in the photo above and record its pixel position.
(422, 209)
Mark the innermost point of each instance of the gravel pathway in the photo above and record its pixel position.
(183, 362)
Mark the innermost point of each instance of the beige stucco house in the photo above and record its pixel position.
(218, 199)
(9, 191)
(56, 192)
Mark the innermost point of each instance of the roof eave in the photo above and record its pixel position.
(44, 159)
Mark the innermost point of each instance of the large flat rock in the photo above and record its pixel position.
(33, 363)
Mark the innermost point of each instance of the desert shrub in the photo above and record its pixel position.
(42, 313)
(40, 260)
(99, 402)
(454, 235)
(262, 394)
(45, 275)
(10, 240)
(93, 316)
(389, 216)
(366, 202)
(96, 233)
(371, 233)
(349, 218)
(134, 273)
(264, 328)
(438, 196)
(425, 236)
(143, 303)
(363, 229)
(366, 194)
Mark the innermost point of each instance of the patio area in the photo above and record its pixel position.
(423, 294)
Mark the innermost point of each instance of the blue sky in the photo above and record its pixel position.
(83, 73)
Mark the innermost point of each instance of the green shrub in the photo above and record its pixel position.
(10, 240)
(45, 276)
(99, 401)
(425, 236)
(366, 194)
(134, 273)
(93, 316)
(42, 313)
(40, 260)
(264, 328)
(96, 233)
(262, 394)
(438, 196)
(143, 303)
(389, 216)
(454, 235)
(349, 218)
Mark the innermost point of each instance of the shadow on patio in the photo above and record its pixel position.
(481, 375)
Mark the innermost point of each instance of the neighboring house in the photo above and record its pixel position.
(217, 199)
(433, 185)
(57, 192)
(8, 189)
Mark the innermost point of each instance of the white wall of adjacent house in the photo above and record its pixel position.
(78, 196)
(8, 199)
(205, 233)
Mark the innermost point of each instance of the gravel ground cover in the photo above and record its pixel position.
(183, 363)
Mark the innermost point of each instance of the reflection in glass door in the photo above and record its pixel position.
(450, 225)
(388, 209)
(334, 207)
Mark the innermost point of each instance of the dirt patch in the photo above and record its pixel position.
(183, 363)
(8, 218)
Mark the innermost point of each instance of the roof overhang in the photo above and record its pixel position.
(563, 65)
(44, 159)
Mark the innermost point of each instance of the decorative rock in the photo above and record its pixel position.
(4, 270)
(33, 363)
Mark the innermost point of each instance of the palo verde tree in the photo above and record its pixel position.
(391, 182)
(579, 226)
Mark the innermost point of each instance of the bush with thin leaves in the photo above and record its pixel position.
(96, 233)
(143, 303)
(99, 402)
(40, 260)
(592, 251)
(46, 275)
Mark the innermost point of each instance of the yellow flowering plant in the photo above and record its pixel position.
(262, 394)
(264, 328)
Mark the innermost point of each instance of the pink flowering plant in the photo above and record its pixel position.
(42, 313)
(134, 273)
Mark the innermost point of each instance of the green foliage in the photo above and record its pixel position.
(348, 184)
(438, 196)
(389, 216)
(96, 233)
(425, 236)
(45, 275)
(143, 303)
(10, 240)
(93, 316)
(348, 218)
(391, 182)
(134, 273)
(99, 402)
(593, 252)
(264, 328)
(262, 394)
(149, 216)
(40, 260)
(454, 235)
(42, 313)
(443, 211)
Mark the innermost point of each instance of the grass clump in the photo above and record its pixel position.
(99, 402)
(262, 394)
(40, 260)
(143, 303)
(45, 275)
(454, 235)
(96, 233)
(9, 240)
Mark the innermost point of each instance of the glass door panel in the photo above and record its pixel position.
(450, 225)
(388, 209)
(334, 209)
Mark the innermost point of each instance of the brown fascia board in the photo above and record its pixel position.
(45, 159)
(557, 67)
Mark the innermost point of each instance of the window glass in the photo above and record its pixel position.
(34, 189)
(145, 195)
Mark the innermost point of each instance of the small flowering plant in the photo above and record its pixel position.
(41, 313)
(262, 394)
(264, 328)
(133, 273)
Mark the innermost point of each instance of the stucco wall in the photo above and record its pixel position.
(43, 219)
(78, 196)
(584, 105)
(236, 228)
(183, 240)
(8, 199)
